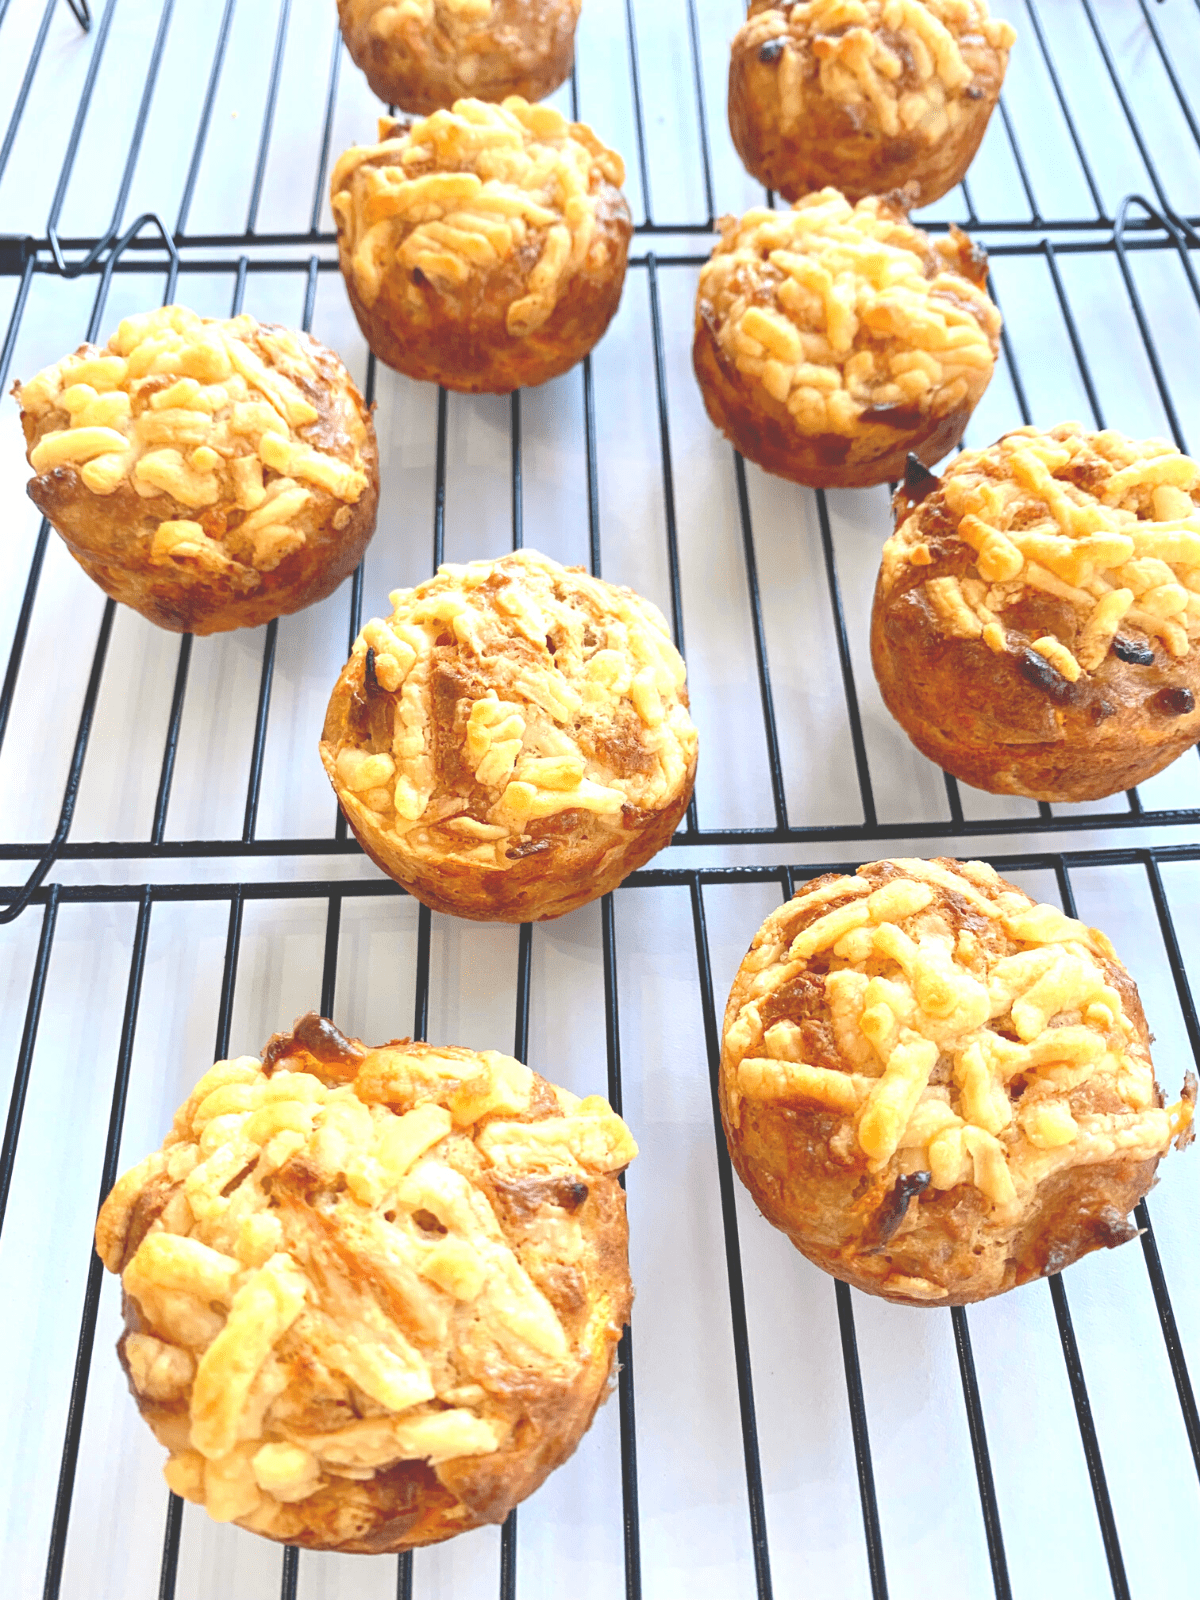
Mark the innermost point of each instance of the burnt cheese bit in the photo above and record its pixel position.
(315, 1035)
(370, 681)
(770, 51)
(1138, 655)
(919, 482)
(1044, 675)
(887, 1220)
(1100, 710)
(1176, 701)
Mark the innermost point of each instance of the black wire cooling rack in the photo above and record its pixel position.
(1156, 223)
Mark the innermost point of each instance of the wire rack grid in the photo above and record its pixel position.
(159, 849)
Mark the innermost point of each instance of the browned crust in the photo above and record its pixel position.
(462, 341)
(576, 858)
(830, 1206)
(764, 430)
(979, 717)
(527, 47)
(413, 1504)
(831, 147)
(110, 536)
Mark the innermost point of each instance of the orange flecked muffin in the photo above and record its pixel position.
(1037, 613)
(865, 95)
(371, 1296)
(484, 247)
(423, 54)
(832, 340)
(211, 473)
(937, 1088)
(513, 740)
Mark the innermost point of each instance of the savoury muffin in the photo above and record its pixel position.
(424, 54)
(210, 473)
(937, 1088)
(371, 1296)
(1037, 612)
(832, 340)
(483, 248)
(864, 94)
(514, 740)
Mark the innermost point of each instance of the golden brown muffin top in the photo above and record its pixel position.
(953, 1023)
(236, 420)
(514, 691)
(460, 20)
(1106, 524)
(332, 1286)
(453, 195)
(897, 64)
(848, 314)
(390, 17)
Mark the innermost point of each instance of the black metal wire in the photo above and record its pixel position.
(979, 1448)
(733, 1261)
(91, 1299)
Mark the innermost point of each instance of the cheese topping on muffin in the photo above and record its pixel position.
(212, 414)
(897, 63)
(1108, 524)
(974, 1034)
(838, 310)
(461, 191)
(390, 18)
(326, 1288)
(506, 692)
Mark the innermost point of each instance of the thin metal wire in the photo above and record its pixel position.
(268, 121)
(33, 1013)
(1089, 1439)
(979, 1448)
(862, 1443)
(18, 110)
(638, 117)
(854, 716)
(770, 727)
(733, 1261)
(91, 1299)
(625, 1390)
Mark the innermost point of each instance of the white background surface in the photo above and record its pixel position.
(695, 1537)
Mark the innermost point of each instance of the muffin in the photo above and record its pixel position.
(421, 55)
(371, 1296)
(832, 340)
(514, 739)
(211, 473)
(937, 1088)
(1037, 611)
(865, 95)
(483, 248)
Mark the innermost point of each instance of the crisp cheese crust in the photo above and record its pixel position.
(461, 195)
(1107, 524)
(371, 1295)
(897, 65)
(847, 315)
(954, 1036)
(424, 54)
(504, 703)
(228, 425)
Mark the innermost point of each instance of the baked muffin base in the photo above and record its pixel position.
(831, 150)
(468, 348)
(765, 431)
(1074, 1214)
(520, 892)
(195, 601)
